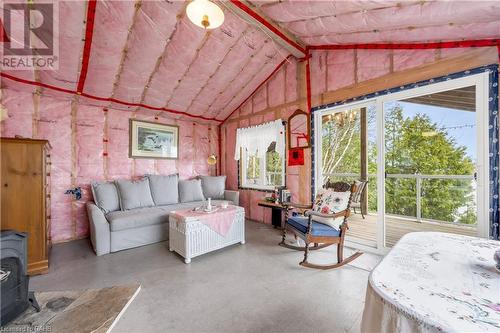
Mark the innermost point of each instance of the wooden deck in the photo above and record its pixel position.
(365, 230)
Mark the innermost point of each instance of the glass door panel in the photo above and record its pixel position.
(430, 144)
(349, 153)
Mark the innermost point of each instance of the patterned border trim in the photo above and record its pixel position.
(492, 127)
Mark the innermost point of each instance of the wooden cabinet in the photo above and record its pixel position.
(25, 196)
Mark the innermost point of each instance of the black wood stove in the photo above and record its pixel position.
(14, 281)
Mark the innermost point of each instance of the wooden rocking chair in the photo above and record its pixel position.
(319, 234)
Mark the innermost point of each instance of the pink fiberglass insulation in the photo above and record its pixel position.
(255, 211)
(71, 32)
(89, 144)
(112, 21)
(291, 80)
(55, 125)
(186, 149)
(373, 63)
(118, 163)
(420, 35)
(260, 73)
(201, 145)
(404, 59)
(152, 28)
(234, 63)
(276, 88)
(245, 109)
(247, 59)
(269, 116)
(318, 66)
(19, 108)
(180, 51)
(259, 100)
(213, 51)
(231, 164)
(341, 67)
(245, 201)
(89, 126)
(256, 120)
(319, 23)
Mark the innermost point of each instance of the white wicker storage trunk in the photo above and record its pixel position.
(191, 238)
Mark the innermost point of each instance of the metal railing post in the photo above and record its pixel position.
(419, 197)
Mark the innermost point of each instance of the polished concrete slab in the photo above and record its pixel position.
(255, 287)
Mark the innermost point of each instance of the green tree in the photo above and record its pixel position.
(413, 146)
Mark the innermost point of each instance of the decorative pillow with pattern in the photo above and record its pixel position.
(330, 202)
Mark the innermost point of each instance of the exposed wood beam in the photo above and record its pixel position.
(281, 36)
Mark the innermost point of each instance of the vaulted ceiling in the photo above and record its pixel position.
(147, 55)
(407, 21)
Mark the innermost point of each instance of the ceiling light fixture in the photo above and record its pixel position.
(205, 14)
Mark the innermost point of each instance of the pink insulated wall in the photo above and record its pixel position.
(90, 143)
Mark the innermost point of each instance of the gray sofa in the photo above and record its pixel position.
(127, 214)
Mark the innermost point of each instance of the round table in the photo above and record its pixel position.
(435, 282)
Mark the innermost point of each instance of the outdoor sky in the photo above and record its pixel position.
(446, 117)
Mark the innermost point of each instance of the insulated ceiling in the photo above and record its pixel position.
(149, 53)
(356, 22)
(147, 56)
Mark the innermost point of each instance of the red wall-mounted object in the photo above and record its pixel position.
(295, 156)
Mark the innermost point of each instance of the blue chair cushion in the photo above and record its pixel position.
(299, 223)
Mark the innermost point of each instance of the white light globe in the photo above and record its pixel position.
(205, 14)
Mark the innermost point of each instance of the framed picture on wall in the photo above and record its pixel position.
(153, 140)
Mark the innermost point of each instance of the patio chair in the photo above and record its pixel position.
(322, 226)
(358, 196)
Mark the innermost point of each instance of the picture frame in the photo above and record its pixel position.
(153, 140)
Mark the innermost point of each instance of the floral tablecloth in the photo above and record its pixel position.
(435, 282)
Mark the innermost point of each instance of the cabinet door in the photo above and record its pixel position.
(22, 196)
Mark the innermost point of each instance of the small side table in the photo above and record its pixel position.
(276, 208)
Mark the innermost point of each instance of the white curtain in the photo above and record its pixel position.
(256, 139)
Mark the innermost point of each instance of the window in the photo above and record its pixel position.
(262, 153)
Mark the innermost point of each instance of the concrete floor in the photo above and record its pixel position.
(256, 287)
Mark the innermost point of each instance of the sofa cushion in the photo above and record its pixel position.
(134, 194)
(190, 190)
(136, 218)
(164, 189)
(106, 196)
(213, 187)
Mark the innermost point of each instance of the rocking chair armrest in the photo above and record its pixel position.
(343, 213)
(297, 205)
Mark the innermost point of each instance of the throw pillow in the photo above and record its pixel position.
(164, 189)
(134, 194)
(190, 190)
(106, 196)
(330, 202)
(213, 187)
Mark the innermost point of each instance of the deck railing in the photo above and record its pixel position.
(419, 180)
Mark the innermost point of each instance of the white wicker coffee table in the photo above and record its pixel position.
(196, 233)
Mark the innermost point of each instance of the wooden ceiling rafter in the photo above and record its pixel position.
(278, 34)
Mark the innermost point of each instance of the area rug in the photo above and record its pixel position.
(91, 310)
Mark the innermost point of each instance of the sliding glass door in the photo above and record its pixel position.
(349, 153)
(430, 176)
(424, 153)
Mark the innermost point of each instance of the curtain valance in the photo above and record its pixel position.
(256, 139)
